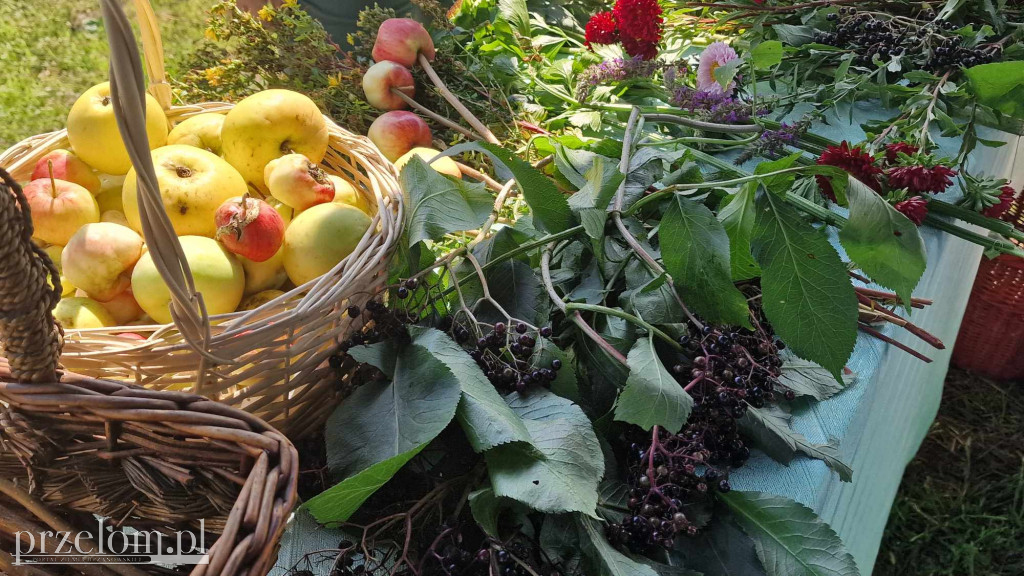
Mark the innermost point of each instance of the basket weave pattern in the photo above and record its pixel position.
(271, 361)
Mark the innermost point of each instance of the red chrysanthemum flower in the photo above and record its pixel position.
(857, 162)
(602, 29)
(921, 179)
(915, 208)
(639, 26)
(892, 151)
(1006, 196)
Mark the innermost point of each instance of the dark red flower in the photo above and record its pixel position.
(921, 179)
(639, 26)
(915, 208)
(602, 29)
(858, 163)
(1006, 196)
(892, 151)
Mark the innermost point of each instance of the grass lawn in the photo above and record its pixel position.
(960, 508)
(52, 51)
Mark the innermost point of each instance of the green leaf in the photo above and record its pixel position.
(725, 73)
(486, 509)
(649, 297)
(772, 433)
(806, 291)
(549, 207)
(695, 249)
(999, 85)
(766, 54)
(794, 35)
(515, 13)
(339, 502)
(789, 538)
(809, 379)
(562, 474)
(721, 548)
(737, 217)
(882, 242)
(778, 183)
(652, 397)
(437, 205)
(483, 414)
(564, 384)
(600, 557)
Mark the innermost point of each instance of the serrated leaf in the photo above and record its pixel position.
(437, 205)
(737, 217)
(562, 474)
(794, 35)
(600, 557)
(486, 509)
(789, 538)
(560, 542)
(883, 242)
(483, 414)
(766, 54)
(382, 420)
(720, 549)
(809, 379)
(695, 249)
(772, 433)
(999, 85)
(778, 183)
(648, 297)
(549, 207)
(806, 291)
(339, 502)
(652, 397)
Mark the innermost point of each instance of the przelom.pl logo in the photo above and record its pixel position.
(110, 545)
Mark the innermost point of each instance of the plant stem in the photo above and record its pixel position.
(434, 115)
(475, 122)
(869, 330)
(983, 241)
(972, 217)
(722, 183)
(625, 316)
(705, 126)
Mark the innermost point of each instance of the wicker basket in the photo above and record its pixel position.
(271, 361)
(991, 338)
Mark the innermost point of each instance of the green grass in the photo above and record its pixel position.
(960, 509)
(52, 51)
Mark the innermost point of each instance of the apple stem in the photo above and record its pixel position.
(477, 125)
(434, 115)
(53, 181)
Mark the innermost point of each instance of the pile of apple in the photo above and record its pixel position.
(244, 191)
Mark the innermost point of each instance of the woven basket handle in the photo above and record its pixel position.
(29, 289)
(127, 94)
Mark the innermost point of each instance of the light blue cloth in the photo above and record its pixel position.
(879, 421)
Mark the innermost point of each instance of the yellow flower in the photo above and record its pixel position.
(290, 3)
(266, 13)
(213, 75)
(210, 34)
(333, 81)
(350, 39)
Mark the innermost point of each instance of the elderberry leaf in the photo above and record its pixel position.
(647, 296)
(809, 379)
(720, 549)
(794, 35)
(884, 243)
(565, 383)
(766, 54)
(600, 557)
(806, 291)
(482, 413)
(789, 538)
(486, 509)
(549, 207)
(737, 217)
(562, 473)
(437, 205)
(695, 249)
(339, 502)
(772, 433)
(652, 397)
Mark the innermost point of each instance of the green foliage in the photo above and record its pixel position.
(437, 205)
(771, 432)
(809, 379)
(652, 397)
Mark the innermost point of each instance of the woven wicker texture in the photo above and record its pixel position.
(991, 338)
(270, 361)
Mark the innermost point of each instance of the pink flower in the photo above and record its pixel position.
(715, 55)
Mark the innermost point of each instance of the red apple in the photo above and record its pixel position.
(401, 40)
(381, 78)
(250, 228)
(68, 167)
(397, 132)
(297, 182)
(59, 209)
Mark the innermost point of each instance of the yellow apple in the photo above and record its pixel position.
(266, 275)
(59, 209)
(259, 299)
(193, 184)
(93, 133)
(444, 165)
(268, 125)
(99, 259)
(109, 197)
(346, 193)
(217, 274)
(78, 313)
(321, 237)
(114, 216)
(201, 131)
(54, 252)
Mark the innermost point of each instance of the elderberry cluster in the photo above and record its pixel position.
(928, 43)
(725, 370)
(505, 354)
